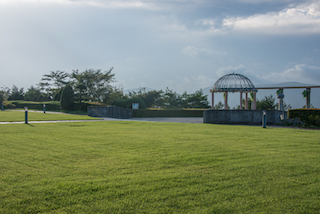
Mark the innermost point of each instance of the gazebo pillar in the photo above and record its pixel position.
(254, 106)
(226, 101)
(246, 103)
(241, 108)
(308, 98)
(212, 100)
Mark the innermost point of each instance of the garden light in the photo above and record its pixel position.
(26, 115)
(264, 118)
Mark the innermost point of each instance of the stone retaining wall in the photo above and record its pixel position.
(248, 117)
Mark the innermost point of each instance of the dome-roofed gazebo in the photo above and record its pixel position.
(234, 83)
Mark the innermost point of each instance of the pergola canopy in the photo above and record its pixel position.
(233, 83)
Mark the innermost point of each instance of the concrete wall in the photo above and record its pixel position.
(249, 117)
(109, 111)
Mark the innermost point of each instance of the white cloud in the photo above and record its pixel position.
(112, 4)
(203, 81)
(301, 19)
(206, 22)
(308, 74)
(172, 28)
(228, 70)
(200, 52)
(296, 20)
(190, 84)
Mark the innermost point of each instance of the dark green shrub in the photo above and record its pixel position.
(127, 103)
(10, 106)
(120, 103)
(81, 106)
(136, 100)
(313, 120)
(310, 117)
(67, 98)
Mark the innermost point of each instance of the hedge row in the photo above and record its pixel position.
(167, 113)
(308, 116)
(37, 106)
(50, 106)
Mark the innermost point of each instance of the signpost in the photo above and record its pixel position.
(135, 106)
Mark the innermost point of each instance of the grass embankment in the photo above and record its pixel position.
(140, 167)
(13, 116)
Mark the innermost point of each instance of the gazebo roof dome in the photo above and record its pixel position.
(234, 83)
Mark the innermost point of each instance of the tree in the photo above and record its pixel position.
(285, 106)
(67, 98)
(79, 92)
(95, 83)
(16, 94)
(243, 105)
(171, 99)
(113, 94)
(219, 106)
(311, 106)
(197, 100)
(150, 98)
(267, 103)
(53, 83)
(4, 94)
(35, 94)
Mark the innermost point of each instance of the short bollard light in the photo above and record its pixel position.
(264, 118)
(26, 115)
(44, 108)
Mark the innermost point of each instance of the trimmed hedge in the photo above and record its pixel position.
(50, 106)
(311, 117)
(167, 113)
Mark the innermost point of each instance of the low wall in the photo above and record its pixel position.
(248, 117)
(109, 111)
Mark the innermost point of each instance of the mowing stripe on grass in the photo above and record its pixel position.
(134, 167)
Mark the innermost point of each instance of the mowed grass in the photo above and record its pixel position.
(13, 116)
(142, 167)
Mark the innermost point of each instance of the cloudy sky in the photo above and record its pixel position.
(181, 44)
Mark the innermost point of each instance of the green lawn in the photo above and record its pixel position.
(12, 116)
(141, 167)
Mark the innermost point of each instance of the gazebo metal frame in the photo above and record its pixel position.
(234, 83)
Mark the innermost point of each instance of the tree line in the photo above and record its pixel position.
(94, 85)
